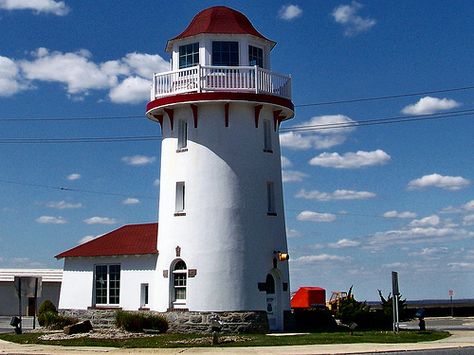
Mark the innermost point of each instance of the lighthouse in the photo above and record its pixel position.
(222, 237)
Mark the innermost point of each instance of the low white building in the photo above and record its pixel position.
(50, 288)
(116, 270)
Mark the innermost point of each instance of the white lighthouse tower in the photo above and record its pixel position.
(222, 240)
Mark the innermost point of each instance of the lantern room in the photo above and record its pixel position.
(220, 36)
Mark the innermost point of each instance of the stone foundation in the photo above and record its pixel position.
(184, 321)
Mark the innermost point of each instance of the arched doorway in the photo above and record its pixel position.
(273, 301)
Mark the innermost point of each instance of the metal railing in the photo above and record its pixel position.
(221, 78)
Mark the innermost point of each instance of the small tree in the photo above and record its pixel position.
(352, 311)
(387, 307)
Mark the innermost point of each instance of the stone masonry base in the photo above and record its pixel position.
(184, 321)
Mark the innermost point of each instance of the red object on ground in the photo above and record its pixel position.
(307, 297)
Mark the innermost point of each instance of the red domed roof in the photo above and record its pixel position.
(219, 19)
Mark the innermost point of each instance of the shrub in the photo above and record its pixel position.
(54, 321)
(47, 306)
(316, 319)
(136, 322)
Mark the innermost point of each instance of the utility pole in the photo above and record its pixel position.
(395, 293)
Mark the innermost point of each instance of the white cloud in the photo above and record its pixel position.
(317, 217)
(351, 160)
(428, 105)
(285, 162)
(156, 182)
(429, 252)
(461, 266)
(353, 24)
(411, 235)
(432, 220)
(336, 195)
(131, 201)
(293, 233)
(469, 206)
(468, 220)
(74, 69)
(62, 205)
(289, 12)
(10, 81)
(307, 259)
(145, 65)
(293, 176)
(51, 220)
(321, 135)
(451, 183)
(73, 176)
(132, 90)
(344, 243)
(396, 214)
(86, 239)
(138, 160)
(128, 79)
(58, 8)
(100, 220)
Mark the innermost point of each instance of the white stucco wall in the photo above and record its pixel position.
(77, 289)
(226, 234)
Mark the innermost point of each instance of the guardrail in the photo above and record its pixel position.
(221, 78)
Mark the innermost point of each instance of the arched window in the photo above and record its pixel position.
(180, 274)
(270, 282)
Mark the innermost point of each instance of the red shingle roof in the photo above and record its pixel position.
(132, 239)
(219, 19)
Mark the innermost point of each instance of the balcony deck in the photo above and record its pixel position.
(197, 79)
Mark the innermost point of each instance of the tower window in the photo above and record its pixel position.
(188, 55)
(225, 53)
(267, 136)
(182, 135)
(180, 198)
(256, 56)
(107, 284)
(271, 198)
(180, 275)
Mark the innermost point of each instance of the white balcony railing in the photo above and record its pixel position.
(219, 78)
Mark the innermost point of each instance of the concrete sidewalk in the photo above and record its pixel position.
(459, 338)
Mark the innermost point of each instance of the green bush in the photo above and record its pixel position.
(54, 321)
(315, 319)
(47, 306)
(136, 322)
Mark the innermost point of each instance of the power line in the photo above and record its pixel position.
(386, 97)
(39, 119)
(70, 189)
(306, 128)
(378, 121)
(78, 140)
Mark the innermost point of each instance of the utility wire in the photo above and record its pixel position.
(387, 97)
(63, 188)
(317, 127)
(376, 121)
(333, 102)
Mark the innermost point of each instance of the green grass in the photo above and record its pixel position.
(170, 340)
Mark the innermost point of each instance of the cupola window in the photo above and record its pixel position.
(225, 53)
(188, 55)
(256, 56)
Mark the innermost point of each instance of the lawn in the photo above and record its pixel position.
(190, 340)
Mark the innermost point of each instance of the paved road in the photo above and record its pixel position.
(442, 323)
(5, 326)
(460, 351)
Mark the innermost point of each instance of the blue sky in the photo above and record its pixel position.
(360, 201)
